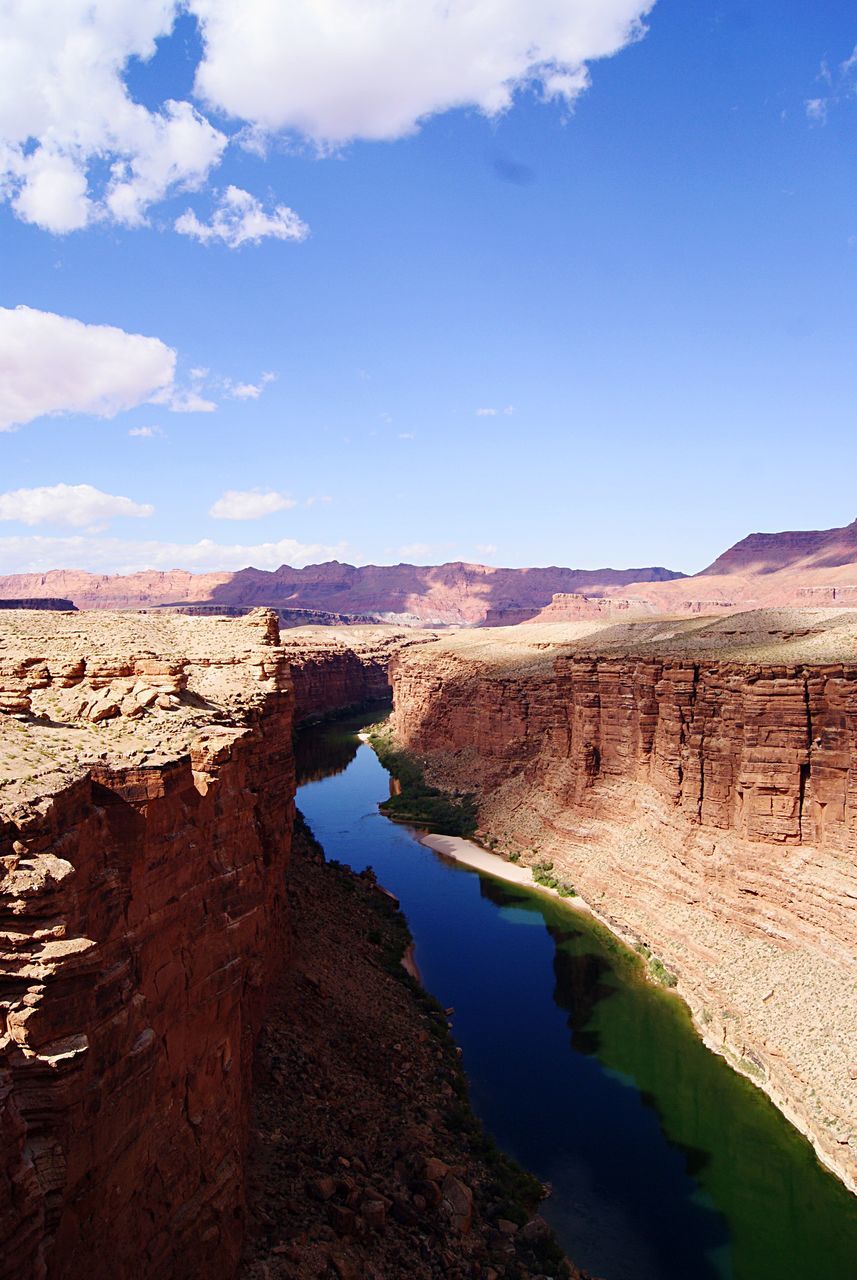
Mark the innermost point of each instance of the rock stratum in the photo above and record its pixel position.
(146, 813)
(465, 594)
(765, 570)
(697, 782)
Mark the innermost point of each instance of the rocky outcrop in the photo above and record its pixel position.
(699, 787)
(571, 606)
(146, 808)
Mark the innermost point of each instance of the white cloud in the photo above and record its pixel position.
(76, 147)
(375, 70)
(486, 549)
(240, 219)
(486, 413)
(816, 110)
(52, 364)
(78, 505)
(36, 554)
(249, 504)
(407, 435)
(509, 410)
(187, 400)
(248, 390)
(146, 433)
(66, 114)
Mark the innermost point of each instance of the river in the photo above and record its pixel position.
(664, 1164)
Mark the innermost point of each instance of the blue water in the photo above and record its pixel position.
(664, 1164)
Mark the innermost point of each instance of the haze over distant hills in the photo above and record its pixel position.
(447, 593)
(765, 569)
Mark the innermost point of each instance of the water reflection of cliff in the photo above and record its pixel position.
(322, 751)
(735, 1151)
(318, 756)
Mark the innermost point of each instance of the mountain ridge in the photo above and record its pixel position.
(793, 568)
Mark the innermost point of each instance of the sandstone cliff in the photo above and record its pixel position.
(146, 806)
(697, 782)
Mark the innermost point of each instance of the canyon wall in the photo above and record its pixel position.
(339, 668)
(699, 786)
(146, 808)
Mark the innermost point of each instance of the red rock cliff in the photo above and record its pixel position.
(701, 791)
(145, 828)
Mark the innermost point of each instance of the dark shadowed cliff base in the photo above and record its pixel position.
(365, 1158)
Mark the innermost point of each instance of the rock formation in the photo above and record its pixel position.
(771, 570)
(404, 593)
(53, 603)
(697, 782)
(146, 807)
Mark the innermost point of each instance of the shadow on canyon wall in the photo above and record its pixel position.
(453, 592)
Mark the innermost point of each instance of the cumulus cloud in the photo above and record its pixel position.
(249, 504)
(816, 110)
(486, 413)
(79, 505)
(76, 147)
(340, 71)
(240, 219)
(36, 553)
(51, 364)
(66, 114)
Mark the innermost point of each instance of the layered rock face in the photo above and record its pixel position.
(424, 595)
(698, 784)
(146, 808)
(339, 668)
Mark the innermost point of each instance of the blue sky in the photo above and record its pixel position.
(650, 282)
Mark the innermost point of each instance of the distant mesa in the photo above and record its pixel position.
(816, 568)
(39, 602)
(771, 552)
(417, 595)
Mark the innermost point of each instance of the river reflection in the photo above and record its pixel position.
(664, 1164)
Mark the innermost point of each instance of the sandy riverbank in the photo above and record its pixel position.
(473, 855)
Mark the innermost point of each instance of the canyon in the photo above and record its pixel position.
(695, 780)
(693, 777)
(816, 568)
